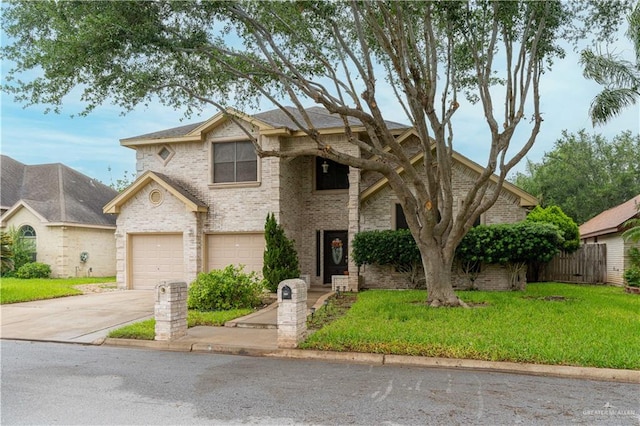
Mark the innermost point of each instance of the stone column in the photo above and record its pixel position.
(292, 312)
(171, 310)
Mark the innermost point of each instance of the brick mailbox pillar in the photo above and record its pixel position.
(171, 310)
(292, 312)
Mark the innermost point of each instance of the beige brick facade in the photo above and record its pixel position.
(60, 246)
(285, 186)
(378, 212)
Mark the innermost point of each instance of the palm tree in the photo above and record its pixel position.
(632, 234)
(620, 78)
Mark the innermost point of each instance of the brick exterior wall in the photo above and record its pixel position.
(378, 211)
(285, 187)
(60, 247)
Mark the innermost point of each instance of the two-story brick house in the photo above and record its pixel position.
(202, 196)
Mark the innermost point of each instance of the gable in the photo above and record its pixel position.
(525, 199)
(275, 122)
(191, 202)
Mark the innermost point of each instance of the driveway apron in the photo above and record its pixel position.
(76, 319)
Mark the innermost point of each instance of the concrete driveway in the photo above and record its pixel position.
(77, 319)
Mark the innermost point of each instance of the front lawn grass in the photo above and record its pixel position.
(145, 330)
(14, 290)
(549, 323)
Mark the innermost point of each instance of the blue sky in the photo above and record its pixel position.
(91, 144)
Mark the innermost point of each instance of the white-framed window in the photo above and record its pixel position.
(234, 162)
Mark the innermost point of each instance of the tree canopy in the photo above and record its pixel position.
(585, 174)
(333, 54)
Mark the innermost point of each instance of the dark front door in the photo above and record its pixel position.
(336, 253)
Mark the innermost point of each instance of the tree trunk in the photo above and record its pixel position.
(438, 277)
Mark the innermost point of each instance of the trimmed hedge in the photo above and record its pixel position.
(521, 242)
(385, 248)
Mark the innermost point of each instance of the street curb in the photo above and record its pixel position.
(353, 357)
(149, 344)
(563, 371)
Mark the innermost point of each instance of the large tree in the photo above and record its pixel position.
(335, 54)
(585, 174)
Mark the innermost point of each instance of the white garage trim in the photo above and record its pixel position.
(153, 258)
(238, 248)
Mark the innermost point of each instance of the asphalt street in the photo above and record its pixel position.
(52, 383)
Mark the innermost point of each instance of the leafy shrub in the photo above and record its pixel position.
(280, 257)
(510, 242)
(33, 270)
(224, 289)
(396, 248)
(568, 228)
(7, 253)
(632, 276)
(17, 251)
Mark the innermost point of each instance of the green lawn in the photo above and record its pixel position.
(13, 290)
(549, 323)
(145, 330)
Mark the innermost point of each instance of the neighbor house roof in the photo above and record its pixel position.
(56, 193)
(275, 121)
(612, 220)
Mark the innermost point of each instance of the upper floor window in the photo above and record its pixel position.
(234, 162)
(331, 175)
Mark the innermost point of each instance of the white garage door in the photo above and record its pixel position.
(236, 249)
(155, 258)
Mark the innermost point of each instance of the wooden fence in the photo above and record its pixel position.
(588, 265)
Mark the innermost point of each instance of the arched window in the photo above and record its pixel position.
(28, 237)
(27, 231)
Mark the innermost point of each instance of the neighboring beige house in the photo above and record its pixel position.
(202, 197)
(61, 211)
(607, 228)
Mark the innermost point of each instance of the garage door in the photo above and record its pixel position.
(155, 258)
(236, 249)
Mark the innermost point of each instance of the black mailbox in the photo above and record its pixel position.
(286, 292)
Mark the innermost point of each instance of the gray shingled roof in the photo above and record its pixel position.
(320, 117)
(56, 192)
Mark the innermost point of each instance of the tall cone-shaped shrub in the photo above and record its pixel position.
(280, 257)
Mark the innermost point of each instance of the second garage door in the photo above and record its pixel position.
(236, 249)
(156, 258)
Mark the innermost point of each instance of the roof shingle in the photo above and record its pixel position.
(56, 192)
